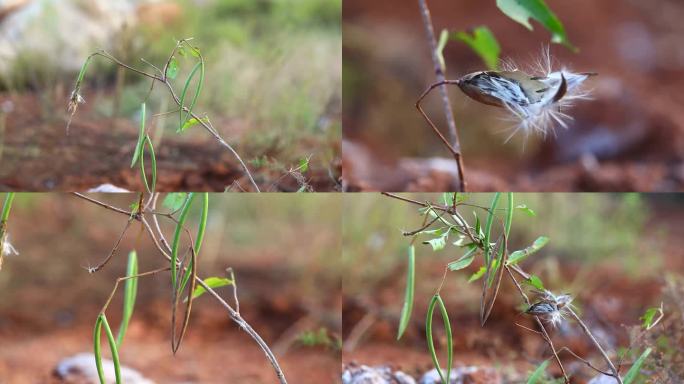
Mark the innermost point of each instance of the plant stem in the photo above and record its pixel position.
(446, 104)
(586, 330)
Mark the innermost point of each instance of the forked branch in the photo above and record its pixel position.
(455, 146)
(161, 77)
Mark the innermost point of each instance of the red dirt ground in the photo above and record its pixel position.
(37, 155)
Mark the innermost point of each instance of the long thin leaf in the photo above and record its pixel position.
(199, 238)
(507, 230)
(7, 206)
(99, 324)
(636, 367)
(130, 293)
(148, 143)
(176, 342)
(436, 299)
(407, 309)
(199, 66)
(97, 349)
(176, 239)
(488, 227)
(141, 137)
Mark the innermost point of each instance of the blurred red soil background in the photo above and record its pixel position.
(630, 137)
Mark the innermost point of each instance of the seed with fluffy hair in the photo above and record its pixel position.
(536, 99)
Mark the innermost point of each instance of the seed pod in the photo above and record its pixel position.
(541, 308)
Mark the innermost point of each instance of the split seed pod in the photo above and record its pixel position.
(536, 101)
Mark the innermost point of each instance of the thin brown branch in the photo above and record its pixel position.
(160, 243)
(586, 330)
(113, 251)
(164, 80)
(455, 146)
(104, 205)
(545, 334)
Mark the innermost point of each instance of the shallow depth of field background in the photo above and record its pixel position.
(284, 251)
(272, 88)
(617, 254)
(629, 138)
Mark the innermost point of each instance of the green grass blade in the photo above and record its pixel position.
(633, 372)
(176, 239)
(130, 293)
(407, 309)
(538, 373)
(436, 299)
(141, 137)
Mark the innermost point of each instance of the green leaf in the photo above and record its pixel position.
(465, 260)
(195, 52)
(407, 309)
(438, 243)
(527, 210)
(190, 122)
(130, 293)
(172, 70)
(141, 137)
(483, 42)
(538, 373)
(517, 256)
(522, 10)
(633, 372)
(212, 282)
(477, 275)
(648, 317)
(174, 201)
(436, 299)
(536, 282)
(303, 164)
(443, 40)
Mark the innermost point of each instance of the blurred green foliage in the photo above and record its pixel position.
(587, 228)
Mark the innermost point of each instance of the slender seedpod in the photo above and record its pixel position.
(536, 99)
